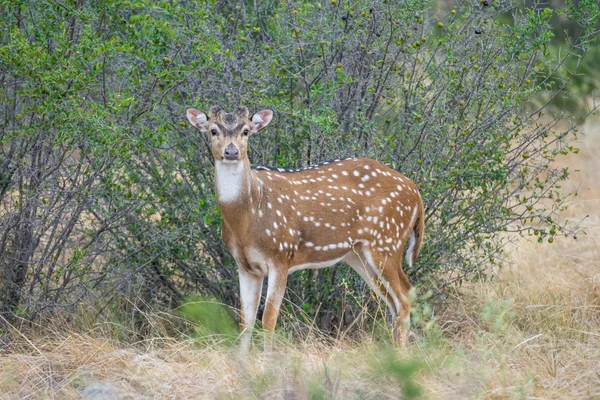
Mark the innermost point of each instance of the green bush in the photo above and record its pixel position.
(106, 192)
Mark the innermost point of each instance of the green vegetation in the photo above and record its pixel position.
(106, 196)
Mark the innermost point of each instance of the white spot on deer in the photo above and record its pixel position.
(268, 232)
(356, 173)
(334, 176)
(365, 178)
(309, 244)
(260, 213)
(317, 224)
(269, 205)
(275, 225)
(278, 213)
(345, 173)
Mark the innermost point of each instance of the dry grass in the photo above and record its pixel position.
(533, 332)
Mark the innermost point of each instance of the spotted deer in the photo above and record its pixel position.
(278, 221)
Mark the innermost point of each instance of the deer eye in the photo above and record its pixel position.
(246, 132)
(214, 132)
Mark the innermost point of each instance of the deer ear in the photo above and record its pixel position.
(197, 118)
(260, 119)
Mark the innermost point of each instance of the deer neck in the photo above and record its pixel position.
(237, 188)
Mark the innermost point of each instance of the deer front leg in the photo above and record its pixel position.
(275, 289)
(250, 289)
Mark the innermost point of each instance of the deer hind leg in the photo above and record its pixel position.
(389, 271)
(359, 264)
(386, 288)
(250, 290)
(403, 322)
(275, 289)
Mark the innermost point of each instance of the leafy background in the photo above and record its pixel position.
(106, 195)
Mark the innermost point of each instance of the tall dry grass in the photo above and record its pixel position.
(531, 332)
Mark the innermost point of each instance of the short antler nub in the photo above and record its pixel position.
(241, 112)
(214, 111)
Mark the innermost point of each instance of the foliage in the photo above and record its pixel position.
(107, 194)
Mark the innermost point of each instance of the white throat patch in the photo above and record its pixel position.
(229, 179)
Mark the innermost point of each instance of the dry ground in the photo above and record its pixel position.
(533, 332)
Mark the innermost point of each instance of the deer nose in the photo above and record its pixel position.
(231, 152)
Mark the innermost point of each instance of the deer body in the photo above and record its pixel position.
(275, 222)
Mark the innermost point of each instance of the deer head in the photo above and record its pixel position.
(229, 132)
